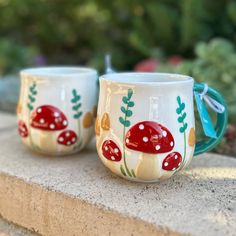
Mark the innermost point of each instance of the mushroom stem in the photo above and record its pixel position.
(44, 141)
(147, 167)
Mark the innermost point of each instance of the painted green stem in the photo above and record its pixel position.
(126, 123)
(31, 99)
(126, 167)
(76, 107)
(181, 117)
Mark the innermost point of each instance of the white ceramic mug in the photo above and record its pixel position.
(145, 127)
(57, 108)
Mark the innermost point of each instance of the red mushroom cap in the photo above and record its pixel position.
(172, 161)
(67, 138)
(111, 151)
(22, 129)
(149, 137)
(48, 118)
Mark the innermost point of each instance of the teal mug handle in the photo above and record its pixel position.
(221, 123)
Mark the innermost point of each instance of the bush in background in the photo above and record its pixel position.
(81, 31)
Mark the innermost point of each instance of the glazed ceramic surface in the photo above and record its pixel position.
(145, 127)
(56, 112)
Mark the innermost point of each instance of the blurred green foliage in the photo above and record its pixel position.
(81, 31)
(13, 57)
(215, 64)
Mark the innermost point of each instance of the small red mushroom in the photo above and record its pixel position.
(67, 138)
(111, 151)
(22, 129)
(172, 161)
(149, 138)
(48, 118)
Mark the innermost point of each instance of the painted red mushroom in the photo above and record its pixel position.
(22, 129)
(172, 161)
(112, 154)
(111, 151)
(48, 118)
(67, 138)
(46, 122)
(150, 138)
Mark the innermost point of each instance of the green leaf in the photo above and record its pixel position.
(73, 100)
(129, 113)
(178, 111)
(179, 100)
(130, 93)
(123, 109)
(125, 100)
(122, 121)
(182, 106)
(130, 104)
(34, 93)
(127, 123)
(182, 129)
(76, 107)
(132, 172)
(122, 170)
(74, 92)
(30, 106)
(78, 115)
(181, 118)
(32, 99)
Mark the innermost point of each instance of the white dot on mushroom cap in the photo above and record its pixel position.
(73, 139)
(171, 143)
(106, 148)
(166, 164)
(127, 140)
(52, 126)
(61, 139)
(41, 121)
(113, 158)
(145, 139)
(39, 110)
(64, 122)
(164, 133)
(67, 134)
(157, 147)
(176, 157)
(174, 168)
(68, 143)
(116, 150)
(141, 126)
(56, 114)
(179, 164)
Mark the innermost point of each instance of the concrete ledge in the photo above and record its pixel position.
(77, 195)
(9, 229)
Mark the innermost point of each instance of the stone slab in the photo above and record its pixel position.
(77, 195)
(9, 229)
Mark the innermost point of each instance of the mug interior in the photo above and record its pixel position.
(147, 78)
(57, 71)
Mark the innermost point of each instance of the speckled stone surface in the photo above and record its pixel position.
(77, 195)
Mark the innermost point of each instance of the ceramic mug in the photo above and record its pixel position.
(57, 108)
(145, 127)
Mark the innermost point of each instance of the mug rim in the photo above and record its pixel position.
(152, 78)
(57, 71)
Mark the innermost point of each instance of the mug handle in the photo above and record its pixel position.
(221, 123)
